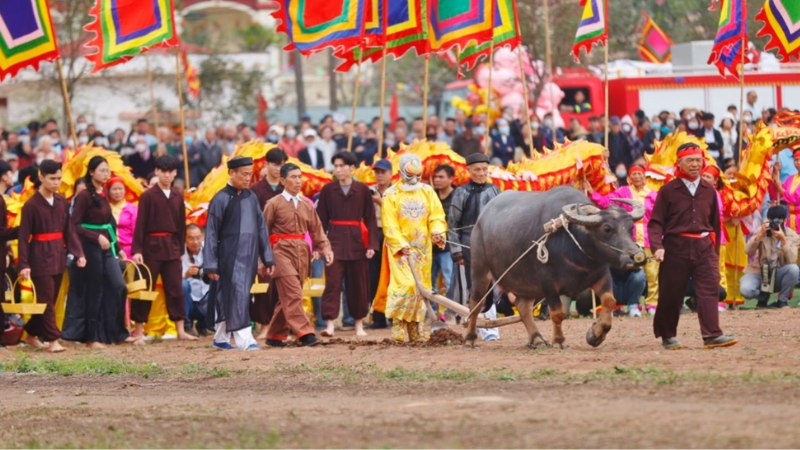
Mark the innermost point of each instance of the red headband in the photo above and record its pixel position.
(634, 169)
(113, 180)
(690, 151)
(713, 170)
(795, 153)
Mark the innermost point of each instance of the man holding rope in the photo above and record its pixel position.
(466, 206)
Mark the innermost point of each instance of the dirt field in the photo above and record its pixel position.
(627, 393)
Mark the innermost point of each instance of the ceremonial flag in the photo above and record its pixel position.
(406, 28)
(192, 77)
(655, 46)
(457, 23)
(26, 35)
(731, 39)
(781, 22)
(313, 25)
(593, 27)
(506, 33)
(125, 28)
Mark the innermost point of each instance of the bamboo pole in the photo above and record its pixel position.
(153, 108)
(383, 103)
(67, 105)
(186, 177)
(425, 87)
(355, 104)
(605, 90)
(739, 163)
(486, 137)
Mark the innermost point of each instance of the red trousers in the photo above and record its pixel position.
(44, 326)
(172, 278)
(356, 277)
(289, 315)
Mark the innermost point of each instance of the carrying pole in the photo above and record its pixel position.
(182, 118)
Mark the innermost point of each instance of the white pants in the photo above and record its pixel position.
(490, 334)
(244, 337)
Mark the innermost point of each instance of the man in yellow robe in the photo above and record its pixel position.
(413, 219)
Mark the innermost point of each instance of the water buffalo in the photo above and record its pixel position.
(512, 221)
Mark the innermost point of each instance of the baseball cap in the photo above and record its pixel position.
(383, 164)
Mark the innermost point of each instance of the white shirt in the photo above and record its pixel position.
(166, 192)
(710, 136)
(691, 185)
(291, 198)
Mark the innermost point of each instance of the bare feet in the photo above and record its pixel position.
(329, 329)
(184, 336)
(55, 347)
(95, 345)
(34, 342)
(139, 341)
(360, 329)
(262, 332)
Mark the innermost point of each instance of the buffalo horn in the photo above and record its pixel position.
(638, 210)
(586, 215)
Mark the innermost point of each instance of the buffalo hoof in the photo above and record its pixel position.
(469, 341)
(593, 340)
(538, 341)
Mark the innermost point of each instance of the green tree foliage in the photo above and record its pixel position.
(228, 88)
(256, 37)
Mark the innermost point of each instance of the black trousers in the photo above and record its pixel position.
(172, 278)
(96, 302)
(355, 275)
(44, 325)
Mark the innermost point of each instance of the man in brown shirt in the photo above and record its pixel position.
(684, 232)
(6, 233)
(347, 214)
(158, 243)
(263, 306)
(289, 216)
(45, 236)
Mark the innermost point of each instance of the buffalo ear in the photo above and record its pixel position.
(586, 215)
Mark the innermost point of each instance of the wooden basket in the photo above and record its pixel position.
(23, 308)
(259, 288)
(148, 294)
(313, 287)
(9, 290)
(139, 283)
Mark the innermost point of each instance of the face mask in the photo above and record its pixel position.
(101, 142)
(535, 125)
(141, 148)
(291, 134)
(81, 126)
(694, 125)
(504, 130)
(388, 142)
(548, 123)
(272, 138)
(83, 140)
(479, 131)
(748, 118)
(189, 140)
(626, 128)
(671, 124)
(621, 172)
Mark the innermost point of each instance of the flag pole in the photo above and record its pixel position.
(153, 108)
(739, 164)
(182, 120)
(67, 105)
(426, 78)
(605, 90)
(486, 138)
(383, 102)
(355, 103)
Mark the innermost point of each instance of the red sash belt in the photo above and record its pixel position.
(274, 238)
(710, 234)
(42, 237)
(161, 234)
(355, 223)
